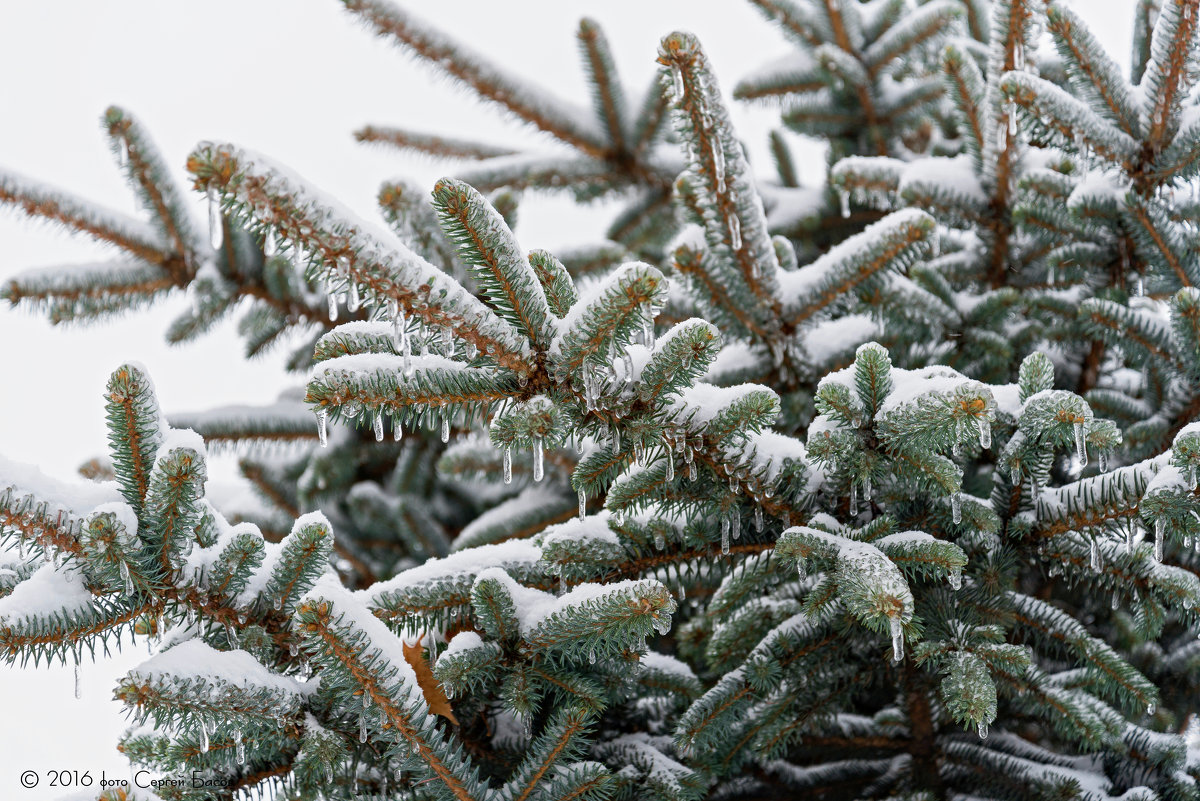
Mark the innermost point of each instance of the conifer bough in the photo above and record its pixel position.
(877, 486)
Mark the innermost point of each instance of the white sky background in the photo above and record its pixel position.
(290, 78)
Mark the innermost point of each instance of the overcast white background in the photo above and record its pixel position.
(291, 78)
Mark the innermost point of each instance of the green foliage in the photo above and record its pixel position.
(771, 494)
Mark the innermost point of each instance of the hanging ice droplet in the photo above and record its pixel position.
(844, 199)
(1081, 444)
(693, 472)
(377, 424)
(538, 459)
(897, 638)
(508, 465)
(718, 157)
(293, 649)
(1102, 461)
(801, 570)
(735, 232)
(126, 579)
(78, 681)
(1160, 531)
(1116, 601)
(241, 747)
(1095, 556)
(725, 536)
(660, 542)
(1151, 708)
(203, 738)
(758, 518)
(582, 504)
(592, 656)
(1014, 474)
(354, 302)
(955, 578)
(1140, 287)
(853, 499)
(985, 432)
(323, 427)
(1129, 535)
(736, 524)
(362, 726)
(216, 227)
(333, 304)
(868, 490)
(983, 731)
(669, 474)
(397, 428)
(445, 428)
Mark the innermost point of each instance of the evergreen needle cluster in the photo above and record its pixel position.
(879, 488)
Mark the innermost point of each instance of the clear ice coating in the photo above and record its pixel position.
(216, 228)
(539, 469)
(985, 433)
(323, 427)
(377, 424)
(1081, 444)
(582, 504)
(897, 638)
(508, 465)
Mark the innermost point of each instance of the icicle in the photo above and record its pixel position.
(647, 326)
(191, 615)
(241, 747)
(758, 519)
(445, 428)
(725, 536)
(78, 681)
(983, 731)
(1150, 708)
(985, 433)
(362, 726)
(1129, 539)
(897, 638)
(853, 499)
(126, 578)
(203, 737)
(333, 305)
(1095, 556)
(868, 488)
(397, 427)
(735, 232)
(1102, 459)
(956, 507)
(582, 504)
(693, 473)
(323, 427)
(216, 228)
(955, 578)
(538, 459)
(377, 424)
(736, 524)
(844, 199)
(801, 571)
(592, 656)
(718, 157)
(1081, 444)
(270, 244)
(1160, 530)
(660, 542)
(122, 155)
(677, 79)
(670, 467)
(1011, 111)
(1116, 601)
(627, 363)
(1014, 474)
(508, 465)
